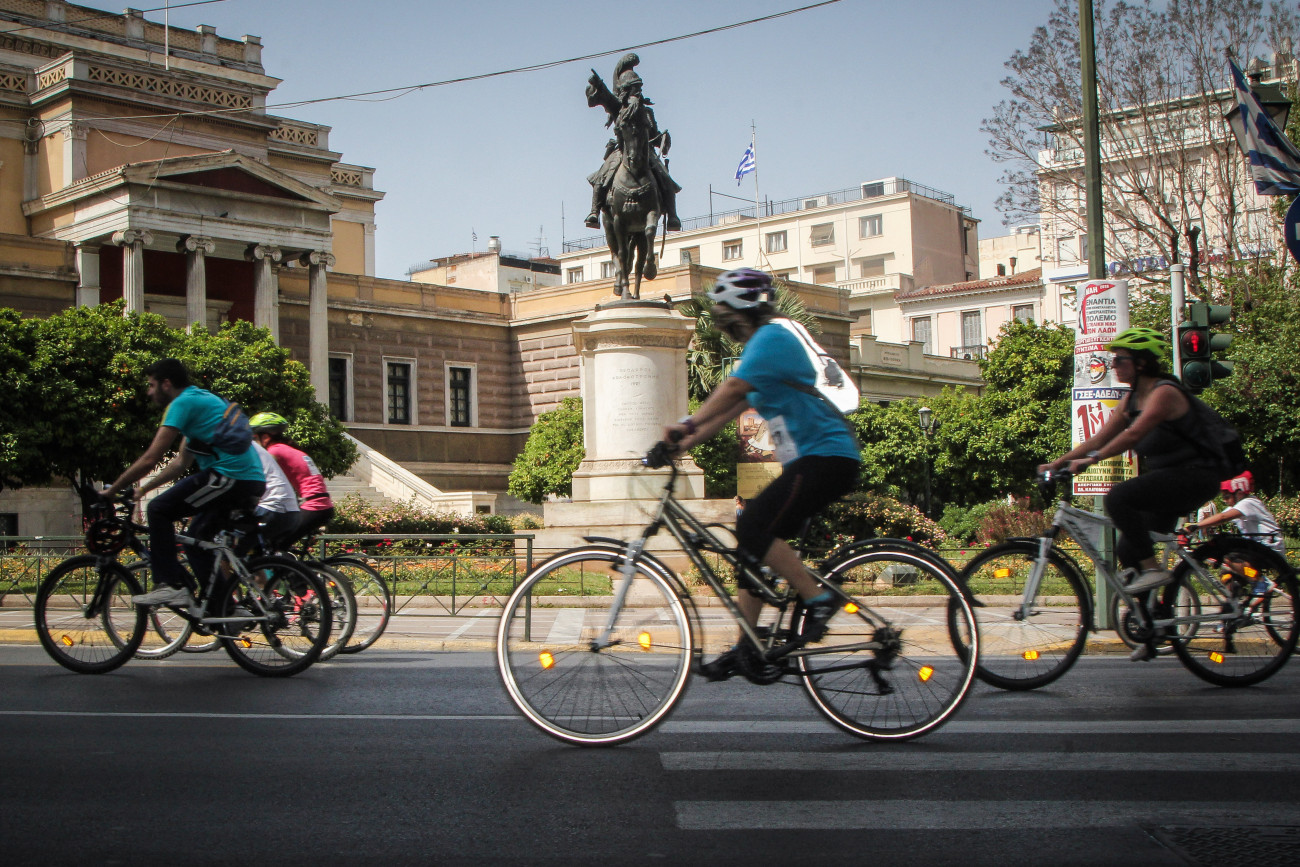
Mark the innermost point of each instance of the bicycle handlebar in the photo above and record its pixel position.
(662, 453)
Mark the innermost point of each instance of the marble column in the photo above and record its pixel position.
(318, 319)
(196, 251)
(87, 274)
(132, 242)
(266, 287)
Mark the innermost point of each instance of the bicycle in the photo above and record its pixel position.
(373, 600)
(614, 667)
(272, 617)
(1035, 609)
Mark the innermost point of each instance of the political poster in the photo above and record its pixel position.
(1103, 314)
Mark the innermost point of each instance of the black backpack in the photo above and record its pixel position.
(1217, 438)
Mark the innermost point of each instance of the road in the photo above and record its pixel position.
(415, 757)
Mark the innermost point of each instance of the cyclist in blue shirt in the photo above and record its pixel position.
(817, 450)
(224, 482)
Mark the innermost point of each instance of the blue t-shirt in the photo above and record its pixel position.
(196, 414)
(799, 423)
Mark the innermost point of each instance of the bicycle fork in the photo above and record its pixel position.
(627, 572)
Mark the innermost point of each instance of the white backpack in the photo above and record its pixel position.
(832, 384)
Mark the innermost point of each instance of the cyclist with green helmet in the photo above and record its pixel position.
(1157, 421)
(315, 508)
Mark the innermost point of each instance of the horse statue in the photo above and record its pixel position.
(632, 188)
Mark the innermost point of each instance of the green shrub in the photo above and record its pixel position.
(1287, 512)
(527, 521)
(962, 523)
(356, 515)
(865, 516)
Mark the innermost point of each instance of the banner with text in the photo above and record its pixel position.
(1103, 313)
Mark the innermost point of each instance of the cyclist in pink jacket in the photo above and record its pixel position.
(315, 508)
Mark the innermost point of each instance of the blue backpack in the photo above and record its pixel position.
(233, 436)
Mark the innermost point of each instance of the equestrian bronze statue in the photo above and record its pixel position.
(632, 188)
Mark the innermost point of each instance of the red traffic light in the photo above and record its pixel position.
(1194, 343)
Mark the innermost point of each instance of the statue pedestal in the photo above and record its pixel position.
(633, 382)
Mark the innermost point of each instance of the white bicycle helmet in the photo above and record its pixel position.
(742, 289)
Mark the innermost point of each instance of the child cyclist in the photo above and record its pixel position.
(1254, 521)
(315, 508)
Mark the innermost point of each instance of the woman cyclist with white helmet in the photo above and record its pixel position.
(817, 450)
(1157, 420)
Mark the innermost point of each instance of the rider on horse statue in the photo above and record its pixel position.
(631, 109)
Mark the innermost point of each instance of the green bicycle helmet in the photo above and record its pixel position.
(268, 421)
(1141, 340)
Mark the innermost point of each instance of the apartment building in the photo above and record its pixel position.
(873, 240)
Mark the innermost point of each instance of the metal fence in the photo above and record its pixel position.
(439, 574)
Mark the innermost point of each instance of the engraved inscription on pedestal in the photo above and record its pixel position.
(632, 411)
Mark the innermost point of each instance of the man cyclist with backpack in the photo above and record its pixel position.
(818, 452)
(1178, 470)
(227, 479)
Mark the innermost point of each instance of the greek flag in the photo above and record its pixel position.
(746, 164)
(1274, 160)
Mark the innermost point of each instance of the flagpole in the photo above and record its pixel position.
(758, 214)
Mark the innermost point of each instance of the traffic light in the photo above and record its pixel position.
(1197, 345)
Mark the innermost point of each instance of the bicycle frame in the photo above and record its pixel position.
(695, 540)
(1081, 526)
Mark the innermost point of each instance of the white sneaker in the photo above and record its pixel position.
(165, 594)
(1149, 580)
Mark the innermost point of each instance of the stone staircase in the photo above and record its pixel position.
(380, 480)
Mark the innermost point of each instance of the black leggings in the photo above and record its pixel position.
(1153, 501)
(805, 487)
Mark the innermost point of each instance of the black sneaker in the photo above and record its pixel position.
(816, 620)
(725, 666)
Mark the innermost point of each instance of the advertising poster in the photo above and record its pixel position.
(1103, 313)
(757, 465)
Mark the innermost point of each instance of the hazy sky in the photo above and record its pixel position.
(854, 91)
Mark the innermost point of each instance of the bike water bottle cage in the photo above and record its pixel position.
(742, 289)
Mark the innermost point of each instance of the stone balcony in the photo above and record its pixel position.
(886, 284)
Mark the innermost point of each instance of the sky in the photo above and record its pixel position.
(845, 93)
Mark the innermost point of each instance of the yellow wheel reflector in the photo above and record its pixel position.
(644, 640)
(1249, 571)
(851, 607)
(1215, 656)
(925, 672)
(245, 643)
(68, 642)
(546, 659)
(1030, 655)
(1004, 572)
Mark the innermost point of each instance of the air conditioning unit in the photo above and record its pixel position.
(819, 202)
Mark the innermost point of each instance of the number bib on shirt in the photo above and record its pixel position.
(783, 445)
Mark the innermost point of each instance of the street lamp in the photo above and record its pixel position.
(927, 428)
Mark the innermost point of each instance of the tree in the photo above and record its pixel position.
(551, 454)
(717, 457)
(80, 411)
(710, 348)
(1262, 397)
(1174, 183)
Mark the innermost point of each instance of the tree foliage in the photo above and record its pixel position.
(551, 454)
(1150, 56)
(77, 408)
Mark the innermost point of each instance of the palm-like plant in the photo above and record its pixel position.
(710, 350)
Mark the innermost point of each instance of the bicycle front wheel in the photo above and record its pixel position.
(1025, 648)
(887, 668)
(583, 672)
(289, 618)
(168, 631)
(374, 602)
(1250, 647)
(85, 618)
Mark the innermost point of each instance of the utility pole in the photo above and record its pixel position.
(1091, 143)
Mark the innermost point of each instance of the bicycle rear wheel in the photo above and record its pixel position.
(887, 668)
(168, 631)
(290, 618)
(1254, 646)
(85, 618)
(374, 602)
(571, 687)
(1019, 651)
